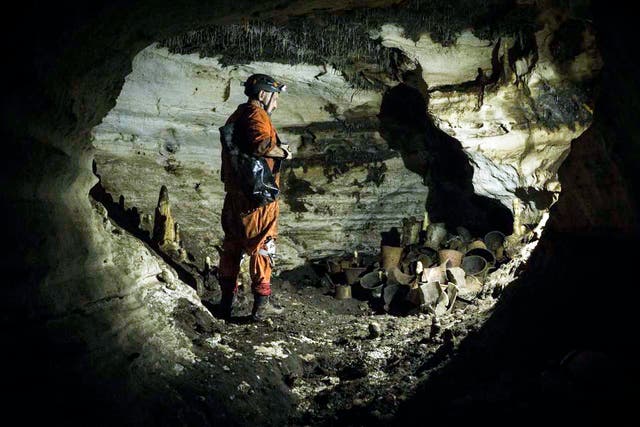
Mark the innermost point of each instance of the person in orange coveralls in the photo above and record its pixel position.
(251, 229)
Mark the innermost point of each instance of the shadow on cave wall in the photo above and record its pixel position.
(440, 160)
(559, 346)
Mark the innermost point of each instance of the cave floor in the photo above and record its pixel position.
(317, 363)
(322, 349)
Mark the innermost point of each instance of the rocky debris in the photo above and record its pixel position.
(244, 387)
(374, 330)
(137, 223)
(167, 278)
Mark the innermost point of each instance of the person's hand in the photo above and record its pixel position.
(280, 152)
(287, 151)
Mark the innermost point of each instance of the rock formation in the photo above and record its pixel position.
(164, 234)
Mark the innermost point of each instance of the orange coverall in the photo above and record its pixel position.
(246, 227)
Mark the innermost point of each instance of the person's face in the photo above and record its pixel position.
(270, 100)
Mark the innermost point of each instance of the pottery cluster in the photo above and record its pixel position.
(422, 269)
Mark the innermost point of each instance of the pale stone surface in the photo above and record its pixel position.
(440, 65)
(507, 140)
(164, 132)
(174, 104)
(120, 305)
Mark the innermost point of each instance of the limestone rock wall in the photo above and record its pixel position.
(343, 189)
(513, 103)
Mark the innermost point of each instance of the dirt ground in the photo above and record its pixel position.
(342, 362)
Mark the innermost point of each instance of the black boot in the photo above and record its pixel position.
(226, 305)
(263, 307)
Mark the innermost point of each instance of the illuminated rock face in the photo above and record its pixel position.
(512, 106)
(517, 119)
(343, 189)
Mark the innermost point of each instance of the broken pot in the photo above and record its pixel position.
(343, 292)
(373, 282)
(433, 298)
(456, 275)
(471, 289)
(464, 234)
(389, 292)
(434, 274)
(475, 265)
(333, 266)
(456, 243)
(494, 240)
(476, 244)
(436, 233)
(353, 273)
(484, 253)
(428, 256)
(454, 257)
(391, 256)
(397, 277)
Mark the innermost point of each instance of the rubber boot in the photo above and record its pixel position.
(226, 305)
(263, 308)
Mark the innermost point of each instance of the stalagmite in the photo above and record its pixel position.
(177, 234)
(163, 226)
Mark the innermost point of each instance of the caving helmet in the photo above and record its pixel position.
(257, 82)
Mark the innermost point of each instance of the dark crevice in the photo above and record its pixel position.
(525, 48)
(440, 160)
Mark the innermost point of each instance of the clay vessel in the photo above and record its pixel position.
(484, 253)
(343, 292)
(454, 257)
(353, 273)
(494, 240)
(475, 265)
(390, 256)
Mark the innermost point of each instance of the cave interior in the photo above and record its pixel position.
(406, 118)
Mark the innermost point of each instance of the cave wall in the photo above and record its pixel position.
(557, 348)
(343, 189)
(517, 117)
(75, 322)
(508, 129)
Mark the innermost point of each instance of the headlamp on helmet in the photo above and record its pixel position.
(257, 82)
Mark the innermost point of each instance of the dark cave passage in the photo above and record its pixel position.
(440, 160)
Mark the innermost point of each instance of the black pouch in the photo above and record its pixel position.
(255, 177)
